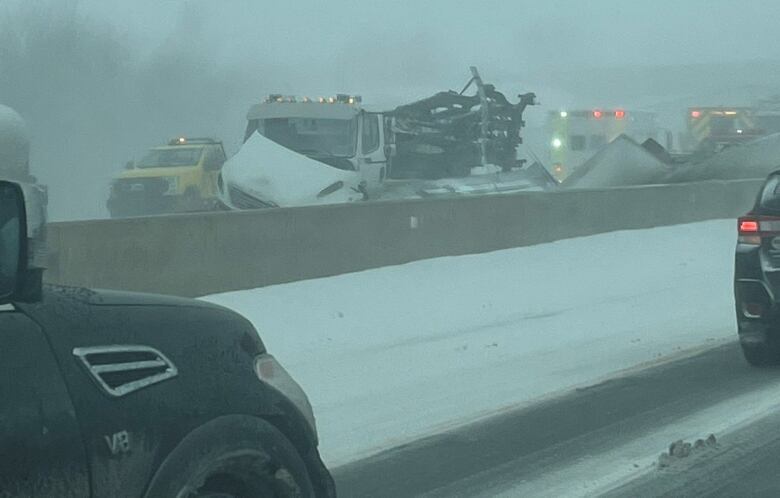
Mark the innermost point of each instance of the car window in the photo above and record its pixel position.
(214, 158)
(370, 133)
(161, 158)
(770, 194)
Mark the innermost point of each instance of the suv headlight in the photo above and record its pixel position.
(173, 185)
(272, 373)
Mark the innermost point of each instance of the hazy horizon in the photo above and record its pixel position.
(100, 81)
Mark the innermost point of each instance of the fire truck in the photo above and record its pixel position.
(711, 129)
(576, 135)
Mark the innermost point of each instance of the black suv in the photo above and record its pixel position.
(757, 276)
(115, 394)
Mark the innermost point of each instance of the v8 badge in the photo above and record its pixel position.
(118, 442)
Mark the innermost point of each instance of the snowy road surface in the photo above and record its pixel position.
(390, 355)
(606, 438)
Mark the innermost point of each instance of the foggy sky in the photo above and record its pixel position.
(506, 35)
(118, 76)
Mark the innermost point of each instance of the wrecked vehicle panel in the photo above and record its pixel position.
(266, 174)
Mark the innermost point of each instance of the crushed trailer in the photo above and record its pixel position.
(446, 135)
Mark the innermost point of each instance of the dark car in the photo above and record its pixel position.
(117, 394)
(757, 276)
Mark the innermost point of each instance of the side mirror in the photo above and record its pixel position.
(130, 165)
(13, 241)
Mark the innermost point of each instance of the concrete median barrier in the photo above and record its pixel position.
(197, 254)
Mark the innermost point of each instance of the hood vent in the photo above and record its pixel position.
(120, 370)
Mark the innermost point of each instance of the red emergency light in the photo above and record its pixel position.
(620, 114)
(598, 114)
(695, 114)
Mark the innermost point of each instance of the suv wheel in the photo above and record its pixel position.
(233, 457)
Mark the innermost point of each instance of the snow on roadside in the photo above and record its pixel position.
(599, 474)
(391, 354)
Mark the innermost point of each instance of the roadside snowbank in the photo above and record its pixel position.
(391, 354)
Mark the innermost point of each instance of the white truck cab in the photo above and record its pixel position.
(335, 131)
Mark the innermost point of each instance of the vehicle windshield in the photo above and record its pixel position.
(161, 158)
(329, 137)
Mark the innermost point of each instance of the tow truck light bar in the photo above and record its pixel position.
(341, 98)
(189, 141)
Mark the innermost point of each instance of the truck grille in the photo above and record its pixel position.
(242, 200)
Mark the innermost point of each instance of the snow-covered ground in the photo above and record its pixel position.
(391, 354)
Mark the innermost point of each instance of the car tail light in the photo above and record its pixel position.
(752, 229)
(748, 226)
(749, 231)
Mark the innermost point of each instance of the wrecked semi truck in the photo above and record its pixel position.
(301, 151)
(450, 133)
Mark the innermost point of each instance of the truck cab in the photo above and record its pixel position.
(178, 177)
(336, 131)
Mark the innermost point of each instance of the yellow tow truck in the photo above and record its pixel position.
(174, 178)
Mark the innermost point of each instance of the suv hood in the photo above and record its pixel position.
(102, 297)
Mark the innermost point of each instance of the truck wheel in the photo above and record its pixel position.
(233, 456)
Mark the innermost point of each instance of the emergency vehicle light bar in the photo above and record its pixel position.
(195, 140)
(593, 114)
(338, 99)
